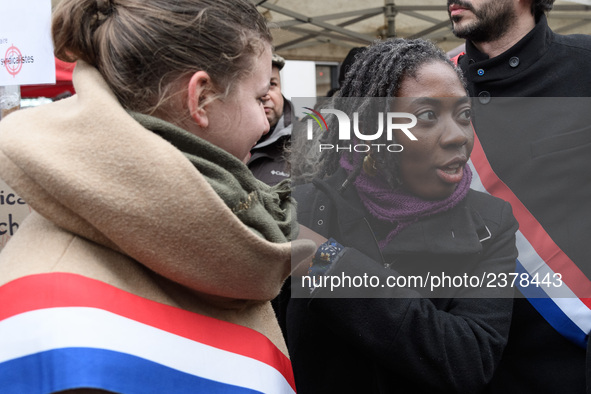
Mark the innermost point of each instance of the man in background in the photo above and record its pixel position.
(267, 161)
(531, 115)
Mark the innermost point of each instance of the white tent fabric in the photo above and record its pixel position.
(326, 30)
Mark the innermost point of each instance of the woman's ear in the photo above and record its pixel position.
(200, 88)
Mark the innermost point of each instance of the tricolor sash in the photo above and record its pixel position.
(550, 280)
(62, 331)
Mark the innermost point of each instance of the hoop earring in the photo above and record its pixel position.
(369, 165)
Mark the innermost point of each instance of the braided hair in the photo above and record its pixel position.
(379, 73)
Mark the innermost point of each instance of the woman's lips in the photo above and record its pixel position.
(452, 173)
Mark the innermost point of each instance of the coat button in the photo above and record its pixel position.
(514, 61)
(480, 72)
(484, 97)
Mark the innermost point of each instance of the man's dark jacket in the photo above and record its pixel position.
(532, 116)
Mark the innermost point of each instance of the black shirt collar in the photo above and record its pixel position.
(479, 67)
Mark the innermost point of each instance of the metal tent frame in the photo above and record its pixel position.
(328, 37)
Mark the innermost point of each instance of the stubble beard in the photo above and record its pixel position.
(492, 21)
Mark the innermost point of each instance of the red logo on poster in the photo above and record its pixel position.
(13, 66)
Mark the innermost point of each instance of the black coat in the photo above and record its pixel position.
(539, 144)
(399, 342)
(268, 161)
(541, 64)
(268, 164)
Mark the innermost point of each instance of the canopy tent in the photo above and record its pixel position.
(326, 30)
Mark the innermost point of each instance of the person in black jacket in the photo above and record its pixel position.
(382, 220)
(267, 161)
(531, 115)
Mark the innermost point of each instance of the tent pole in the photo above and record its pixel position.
(390, 13)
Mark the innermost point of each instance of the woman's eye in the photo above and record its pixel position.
(427, 115)
(466, 115)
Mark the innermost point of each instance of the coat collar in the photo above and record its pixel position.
(478, 67)
(141, 196)
(282, 129)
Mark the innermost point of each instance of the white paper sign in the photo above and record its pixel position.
(26, 49)
(13, 211)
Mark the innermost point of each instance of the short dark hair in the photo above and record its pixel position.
(539, 7)
(277, 61)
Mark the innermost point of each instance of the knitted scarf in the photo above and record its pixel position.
(267, 210)
(398, 206)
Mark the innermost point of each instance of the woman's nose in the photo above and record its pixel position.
(455, 135)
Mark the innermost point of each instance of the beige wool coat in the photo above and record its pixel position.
(114, 202)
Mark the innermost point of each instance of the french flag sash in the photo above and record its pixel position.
(550, 280)
(62, 331)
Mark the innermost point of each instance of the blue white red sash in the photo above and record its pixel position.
(551, 281)
(63, 331)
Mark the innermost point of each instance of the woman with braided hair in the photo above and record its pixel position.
(152, 254)
(389, 303)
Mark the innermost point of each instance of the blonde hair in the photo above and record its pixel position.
(144, 49)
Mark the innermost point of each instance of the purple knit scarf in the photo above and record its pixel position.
(398, 206)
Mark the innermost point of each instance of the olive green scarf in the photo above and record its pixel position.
(267, 210)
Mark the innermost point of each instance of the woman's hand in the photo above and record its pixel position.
(306, 233)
